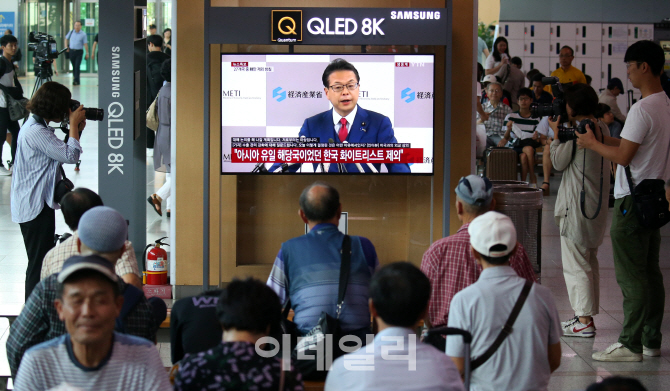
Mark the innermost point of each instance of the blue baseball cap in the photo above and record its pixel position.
(475, 190)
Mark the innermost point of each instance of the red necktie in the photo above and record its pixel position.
(343, 130)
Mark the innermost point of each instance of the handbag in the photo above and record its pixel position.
(506, 330)
(649, 202)
(63, 186)
(16, 106)
(324, 337)
(152, 115)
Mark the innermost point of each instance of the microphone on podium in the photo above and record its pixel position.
(358, 165)
(340, 166)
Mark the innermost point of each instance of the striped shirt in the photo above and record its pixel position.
(56, 257)
(39, 321)
(39, 155)
(132, 364)
(522, 128)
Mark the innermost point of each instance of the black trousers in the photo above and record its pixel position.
(38, 237)
(13, 127)
(75, 59)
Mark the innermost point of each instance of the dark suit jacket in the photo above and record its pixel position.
(368, 127)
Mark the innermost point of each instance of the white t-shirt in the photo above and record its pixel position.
(647, 124)
(544, 128)
(492, 63)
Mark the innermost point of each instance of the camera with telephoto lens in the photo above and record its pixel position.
(92, 114)
(567, 134)
(556, 107)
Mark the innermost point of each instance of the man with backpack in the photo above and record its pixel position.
(76, 41)
(102, 231)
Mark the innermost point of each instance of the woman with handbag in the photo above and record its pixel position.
(11, 89)
(38, 173)
(162, 154)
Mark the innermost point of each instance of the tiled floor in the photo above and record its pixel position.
(576, 372)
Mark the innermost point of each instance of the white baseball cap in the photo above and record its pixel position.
(492, 229)
(490, 79)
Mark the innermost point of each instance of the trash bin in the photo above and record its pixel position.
(504, 184)
(524, 207)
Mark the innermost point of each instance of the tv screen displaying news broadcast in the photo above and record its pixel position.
(278, 118)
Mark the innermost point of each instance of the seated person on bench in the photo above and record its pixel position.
(396, 359)
(526, 138)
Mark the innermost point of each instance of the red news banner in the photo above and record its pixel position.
(310, 150)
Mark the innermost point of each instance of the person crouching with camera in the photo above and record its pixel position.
(582, 224)
(38, 171)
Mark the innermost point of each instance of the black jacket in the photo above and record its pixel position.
(154, 80)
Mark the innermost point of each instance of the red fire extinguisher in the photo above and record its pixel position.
(156, 263)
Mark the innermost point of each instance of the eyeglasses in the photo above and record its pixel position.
(340, 87)
(628, 64)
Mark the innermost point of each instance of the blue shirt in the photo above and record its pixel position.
(39, 154)
(76, 39)
(307, 270)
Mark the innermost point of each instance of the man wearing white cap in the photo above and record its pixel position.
(102, 232)
(531, 350)
(91, 356)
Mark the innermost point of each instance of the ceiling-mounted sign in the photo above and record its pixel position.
(329, 26)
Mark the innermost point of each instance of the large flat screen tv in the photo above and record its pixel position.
(277, 117)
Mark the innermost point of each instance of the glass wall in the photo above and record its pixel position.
(89, 17)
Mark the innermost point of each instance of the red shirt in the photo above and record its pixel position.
(450, 267)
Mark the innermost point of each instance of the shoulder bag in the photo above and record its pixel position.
(649, 202)
(63, 186)
(16, 106)
(152, 115)
(506, 330)
(327, 327)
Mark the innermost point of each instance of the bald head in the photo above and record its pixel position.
(320, 202)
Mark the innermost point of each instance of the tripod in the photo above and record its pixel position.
(43, 72)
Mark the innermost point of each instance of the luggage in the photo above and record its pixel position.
(501, 164)
(467, 340)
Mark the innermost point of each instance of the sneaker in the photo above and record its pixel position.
(651, 352)
(575, 328)
(616, 352)
(4, 171)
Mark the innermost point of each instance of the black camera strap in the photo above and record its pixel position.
(582, 195)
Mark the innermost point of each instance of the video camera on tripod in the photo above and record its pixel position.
(46, 50)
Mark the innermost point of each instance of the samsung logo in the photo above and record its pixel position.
(418, 15)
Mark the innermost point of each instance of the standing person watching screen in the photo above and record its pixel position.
(580, 235)
(644, 148)
(37, 169)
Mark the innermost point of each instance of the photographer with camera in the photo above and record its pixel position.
(578, 207)
(640, 208)
(38, 171)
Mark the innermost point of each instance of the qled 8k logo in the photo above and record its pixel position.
(409, 94)
(279, 96)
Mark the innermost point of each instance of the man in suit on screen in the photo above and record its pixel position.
(347, 121)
